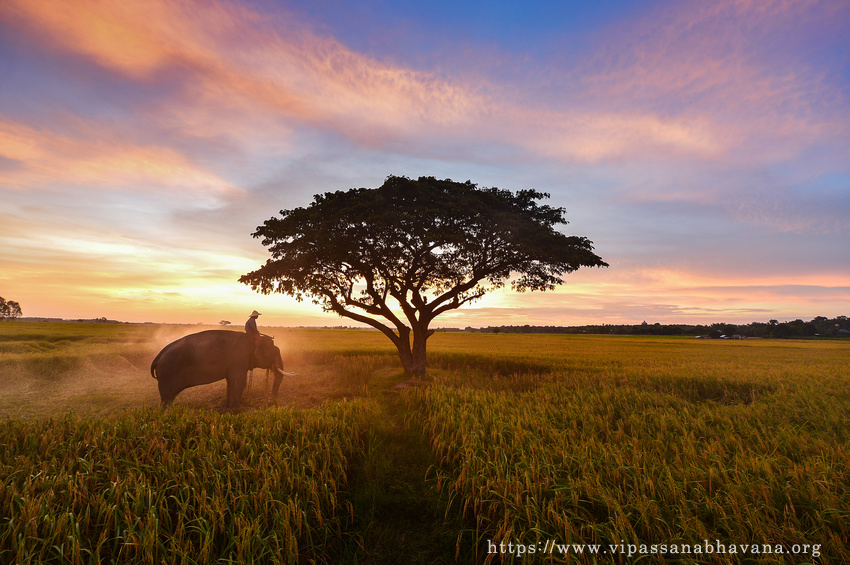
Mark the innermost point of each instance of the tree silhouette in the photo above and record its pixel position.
(9, 309)
(398, 256)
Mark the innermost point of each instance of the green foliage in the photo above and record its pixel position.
(409, 237)
(426, 245)
(817, 327)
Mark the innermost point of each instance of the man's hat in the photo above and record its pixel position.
(255, 313)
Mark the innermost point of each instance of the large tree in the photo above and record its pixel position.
(398, 256)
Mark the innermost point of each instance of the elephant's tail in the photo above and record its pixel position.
(153, 364)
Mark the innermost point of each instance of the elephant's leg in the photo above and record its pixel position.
(236, 381)
(278, 378)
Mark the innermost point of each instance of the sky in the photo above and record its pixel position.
(704, 147)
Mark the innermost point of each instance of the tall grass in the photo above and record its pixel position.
(532, 438)
(183, 486)
(681, 442)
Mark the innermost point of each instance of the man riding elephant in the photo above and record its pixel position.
(212, 355)
(251, 329)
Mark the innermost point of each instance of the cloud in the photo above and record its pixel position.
(235, 60)
(660, 295)
(93, 154)
(594, 137)
(230, 53)
(134, 37)
(682, 83)
(741, 65)
(696, 137)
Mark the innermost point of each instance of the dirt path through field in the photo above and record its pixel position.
(399, 515)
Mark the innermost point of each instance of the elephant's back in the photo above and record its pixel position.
(210, 339)
(204, 350)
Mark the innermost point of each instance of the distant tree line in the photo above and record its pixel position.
(9, 310)
(817, 327)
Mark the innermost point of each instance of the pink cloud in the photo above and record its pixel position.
(97, 155)
(669, 99)
(252, 64)
(241, 62)
(719, 60)
(135, 37)
(268, 68)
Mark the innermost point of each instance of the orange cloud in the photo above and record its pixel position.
(592, 137)
(267, 68)
(679, 85)
(136, 37)
(238, 60)
(98, 158)
(272, 68)
(665, 295)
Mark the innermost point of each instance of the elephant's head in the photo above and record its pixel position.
(267, 355)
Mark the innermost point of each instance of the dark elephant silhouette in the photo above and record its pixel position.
(210, 356)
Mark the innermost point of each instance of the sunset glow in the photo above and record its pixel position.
(704, 147)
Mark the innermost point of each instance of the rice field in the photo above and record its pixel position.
(516, 449)
(184, 486)
(653, 443)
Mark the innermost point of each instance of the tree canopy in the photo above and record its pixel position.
(9, 309)
(398, 256)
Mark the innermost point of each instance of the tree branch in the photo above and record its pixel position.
(335, 306)
(382, 309)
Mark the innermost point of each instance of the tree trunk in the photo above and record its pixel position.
(413, 357)
(420, 363)
(406, 357)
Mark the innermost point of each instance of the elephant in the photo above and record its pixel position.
(209, 356)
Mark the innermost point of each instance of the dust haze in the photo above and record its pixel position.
(52, 369)
(94, 371)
